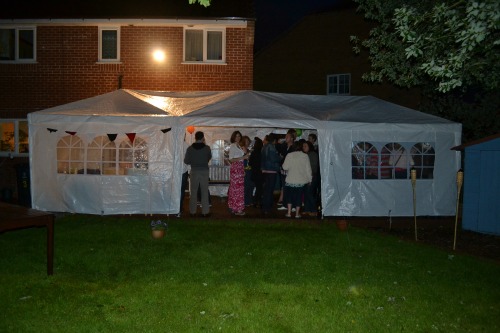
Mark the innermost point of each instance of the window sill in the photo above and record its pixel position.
(18, 62)
(117, 62)
(203, 63)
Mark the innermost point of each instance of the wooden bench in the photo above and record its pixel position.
(14, 217)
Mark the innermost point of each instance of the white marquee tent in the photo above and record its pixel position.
(122, 152)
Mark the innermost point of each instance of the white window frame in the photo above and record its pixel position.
(118, 38)
(205, 38)
(15, 152)
(16, 45)
(338, 80)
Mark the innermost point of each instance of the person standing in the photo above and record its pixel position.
(313, 138)
(254, 162)
(299, 174)
(270, 166)
(184, 179)
(248, 184)
(236, 192)
(311, 190)
(283, 149)
(197, 156)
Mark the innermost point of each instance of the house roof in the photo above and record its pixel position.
(149, 9)
(476, 142)
(246, 104)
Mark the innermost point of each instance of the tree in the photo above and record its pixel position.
(204, 3)
(448, 48)
(454, 43)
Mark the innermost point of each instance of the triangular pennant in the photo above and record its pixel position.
(51, 130)
(165, 130)
(112, 137)
(70, 133)
(131, 136)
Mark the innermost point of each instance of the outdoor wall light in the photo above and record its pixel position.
(159, 55)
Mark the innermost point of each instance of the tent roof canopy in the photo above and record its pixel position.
(244, 104)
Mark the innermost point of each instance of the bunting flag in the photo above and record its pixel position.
(51, 130)
(131, 136)
(165, 130)
(70, 133)
(112, 137)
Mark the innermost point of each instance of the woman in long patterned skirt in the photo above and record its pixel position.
(236, 192)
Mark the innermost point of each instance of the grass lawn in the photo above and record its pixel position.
(238, 276)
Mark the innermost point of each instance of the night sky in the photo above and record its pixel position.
(274, 17)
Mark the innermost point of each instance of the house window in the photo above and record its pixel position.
(17, 44)
(70, 155)
(204, 45)
(109, 44)
(338, 84)
(14, 137)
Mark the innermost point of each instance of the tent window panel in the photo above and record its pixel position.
(394, 160)
(365, 161)
(220, 151)
(399, 160)
(423, 155)
(101, 156)
(133, 156)
(70, 155)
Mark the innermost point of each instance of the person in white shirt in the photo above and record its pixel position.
(299, 174)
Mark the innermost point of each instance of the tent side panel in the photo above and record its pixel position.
(344, 196)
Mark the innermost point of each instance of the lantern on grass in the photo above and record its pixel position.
(413, 176)
(460, 181)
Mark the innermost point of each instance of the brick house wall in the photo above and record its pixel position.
(67, 70)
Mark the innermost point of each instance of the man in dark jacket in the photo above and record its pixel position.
(197, 156)
(270, 165)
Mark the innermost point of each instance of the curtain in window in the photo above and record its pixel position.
(109, 44)
(7, 45)
(214, 45)
(194, 45)
(26, 43)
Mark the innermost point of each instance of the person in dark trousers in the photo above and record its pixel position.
(197, 156)
(270, 166)
(256, 176)
(184, 181)
(283, 149)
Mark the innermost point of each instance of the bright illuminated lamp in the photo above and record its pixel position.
(159, 55)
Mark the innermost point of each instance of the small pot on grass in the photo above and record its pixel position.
(158, 229)
(342, 223)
